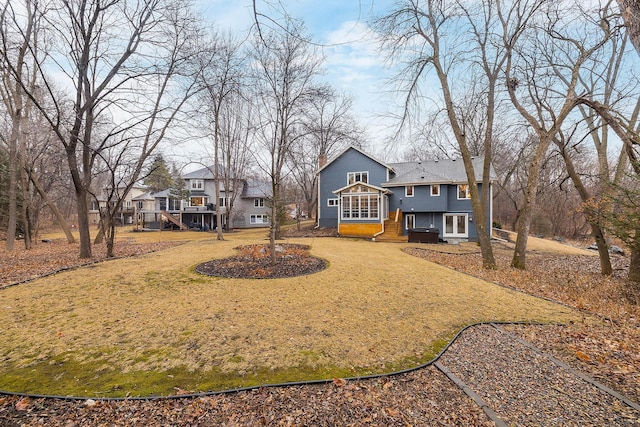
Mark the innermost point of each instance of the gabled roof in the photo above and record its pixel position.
(145, 196)
(353, 147)
(446, 171)
(257, 189)
(383, 190)
(206, 172)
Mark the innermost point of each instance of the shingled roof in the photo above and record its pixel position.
(445, 171)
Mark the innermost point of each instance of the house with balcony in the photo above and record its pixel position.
(245, 199)
(362, 196)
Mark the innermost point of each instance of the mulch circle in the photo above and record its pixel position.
(254, 262)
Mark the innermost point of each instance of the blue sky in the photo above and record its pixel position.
(342, 26)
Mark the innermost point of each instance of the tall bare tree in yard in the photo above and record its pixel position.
(20, 45)
(114, 57)
(552, 45)
(456, 42)
(327, 127)
(285, 69)
(603, 80)
(169, 84)
(236, 145)
(222, 81)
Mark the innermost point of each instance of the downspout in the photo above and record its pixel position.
(382, 222)
(319, 203)
(490, 209)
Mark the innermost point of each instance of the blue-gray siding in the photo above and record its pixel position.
(334, 177)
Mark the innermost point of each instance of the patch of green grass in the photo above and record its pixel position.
(63, 375)
(160, 327)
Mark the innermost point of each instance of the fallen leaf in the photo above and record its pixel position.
(392, 412)
(23, 404)
(339, 382)
(582, 356)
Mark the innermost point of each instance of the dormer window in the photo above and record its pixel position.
(197, 184)
(353, 177)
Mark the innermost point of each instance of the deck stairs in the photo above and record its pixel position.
(174, 220)
(392, 229)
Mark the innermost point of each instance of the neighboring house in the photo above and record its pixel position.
(200, 207)
(127, 211)
(365, 197)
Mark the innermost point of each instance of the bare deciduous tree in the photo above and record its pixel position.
(455, 42)
(551, 46)
(285, 70)
(326, 128)
(115, 58)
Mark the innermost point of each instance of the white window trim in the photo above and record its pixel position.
(455, 224)
(361, 173)
(435, 186)
(468, 193)
(406, 190)
(258, 202)
(406, 221)
(333, 202)
(264, 219)
(369, 196)
(197, 184)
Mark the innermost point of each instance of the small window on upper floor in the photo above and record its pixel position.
(408, 191)
(463, 192)
(435, 189)
(197, 184)
(258, 202)
(332, 202)
(357, 177)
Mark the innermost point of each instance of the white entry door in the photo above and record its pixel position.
(456, 225)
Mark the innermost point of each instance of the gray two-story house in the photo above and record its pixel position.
(365, 197)
(242, 204)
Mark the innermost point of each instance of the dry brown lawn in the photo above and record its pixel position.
(374, 309)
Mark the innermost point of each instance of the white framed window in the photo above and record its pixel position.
(197, 184)
(360, 206)
(140, 204)
(222, 202)
(456, 225)
(259, 219)
(435, 189)
(408, 191)
(174, 204)
(353, 177)
(258, 202)
(410, 221)
(332, 202)
(463, 192)
(198, 201)
(128, 203)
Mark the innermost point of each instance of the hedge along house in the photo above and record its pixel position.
(364, 197)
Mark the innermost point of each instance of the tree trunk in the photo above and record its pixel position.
(13, 180)
(83, 223)
(596, 229)
(272, 237)
(26, 223)
(530, 192)
(631, 14)
(634, 264)
(56, 212)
